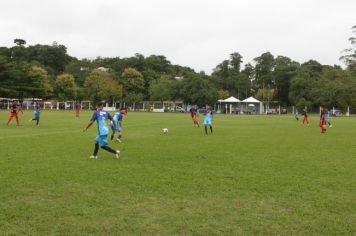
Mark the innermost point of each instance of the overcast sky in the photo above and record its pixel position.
(195, 33)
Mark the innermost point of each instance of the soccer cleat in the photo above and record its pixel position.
(119, 140)
(330, 126)
(94, 157)
(117, 154)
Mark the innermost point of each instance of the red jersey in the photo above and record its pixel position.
(322, 118)
(14, 108)
(193, 112)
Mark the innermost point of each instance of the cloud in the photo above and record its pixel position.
(195, 33)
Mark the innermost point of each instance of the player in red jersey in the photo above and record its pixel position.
(305, 117)
(13, 113)
(322, 122)
(77, 110)
(193, 114)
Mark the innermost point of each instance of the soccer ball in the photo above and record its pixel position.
(165, 130)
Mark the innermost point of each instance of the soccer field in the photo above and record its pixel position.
(255, 175)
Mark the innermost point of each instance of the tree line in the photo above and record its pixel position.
(48, 72)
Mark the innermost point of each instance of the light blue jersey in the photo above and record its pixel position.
(117, 118)
(208, 118)
(102, 117)
(37, 111)
(327, 116)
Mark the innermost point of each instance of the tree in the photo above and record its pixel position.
(134, 85)
(14, 78)
(133, 80)
(161, 89)
(235, 61)
(64, 87)
(5, 52)
(221, 73)
(334, 88)
(159, 64)
(223, 94)
(312, 67)
(149, 76)
(301, 91)
(80, 93)
(19, 79)
(349, 57)
(40, 83)
(80, 70)
(18, 52)
(285, 69)
(53, 57)
(196, 89)
(99, 85)
(133, 98)
(20, 42)
(265, 94)
(238, 85)
(248, 71)
(263, 71)
(228, 77)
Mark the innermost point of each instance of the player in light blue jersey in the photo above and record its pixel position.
(296, 114)
(117, 119)
(36, 114)
(327, 117)
(208, 118)
(102, 118)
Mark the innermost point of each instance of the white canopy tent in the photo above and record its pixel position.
(229, 101)
(253, 105)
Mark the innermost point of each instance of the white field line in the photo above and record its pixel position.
(61, 132)
(38, 134)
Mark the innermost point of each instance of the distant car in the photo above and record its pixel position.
(336, 112)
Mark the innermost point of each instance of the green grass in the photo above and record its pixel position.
(262, 175)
